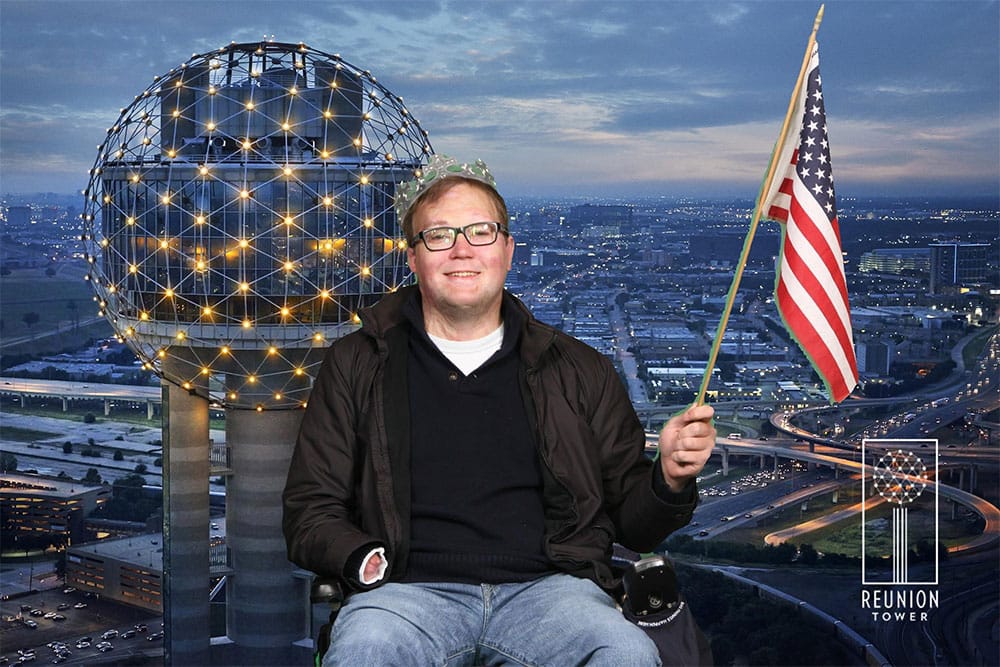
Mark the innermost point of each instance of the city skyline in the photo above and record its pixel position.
(636, 98)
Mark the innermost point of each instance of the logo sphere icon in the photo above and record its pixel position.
(900, 477)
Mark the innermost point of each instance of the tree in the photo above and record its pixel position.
(118, 455)
(141, 469)
(30, 319)
(74, 313)
(92, 477)
(50, 272)
(8, 462)
(67, 447)
(808, 554)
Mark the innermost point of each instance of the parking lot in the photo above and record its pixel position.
(84, 616)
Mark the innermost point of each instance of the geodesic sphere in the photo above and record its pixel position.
(239, 215)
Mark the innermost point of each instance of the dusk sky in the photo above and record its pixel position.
(560, 98)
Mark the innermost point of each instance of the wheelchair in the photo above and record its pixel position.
(648, 596)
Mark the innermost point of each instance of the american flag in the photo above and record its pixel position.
(810, 288)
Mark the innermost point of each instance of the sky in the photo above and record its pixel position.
(559, 97)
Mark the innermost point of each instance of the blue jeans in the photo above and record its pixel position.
(555, 621)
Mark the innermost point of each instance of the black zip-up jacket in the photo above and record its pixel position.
(348, 486)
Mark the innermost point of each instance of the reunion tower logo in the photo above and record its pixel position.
(900, 478)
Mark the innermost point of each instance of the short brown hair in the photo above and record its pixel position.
(438, 189)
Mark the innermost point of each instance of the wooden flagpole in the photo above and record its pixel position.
(765, 186)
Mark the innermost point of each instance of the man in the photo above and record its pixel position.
(464, 470)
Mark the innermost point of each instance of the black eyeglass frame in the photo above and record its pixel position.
(497, 230)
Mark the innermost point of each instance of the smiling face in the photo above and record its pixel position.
(461, 287)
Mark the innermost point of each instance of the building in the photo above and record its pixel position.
(238, 216)
(600, 221)
(958, 265)
(128, 570)
(897, 261)
(33, 506)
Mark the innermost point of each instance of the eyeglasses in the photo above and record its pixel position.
(443, 238)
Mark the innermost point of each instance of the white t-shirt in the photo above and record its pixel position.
(468, 355)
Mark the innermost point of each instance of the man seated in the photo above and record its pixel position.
(464, 469)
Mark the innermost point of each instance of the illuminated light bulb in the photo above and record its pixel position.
(205, 370)
(164, 245)
(324, 154)
(171, 153)
(247, 324)
(104, 243)
(206, 311)
(325, 294)
(288, 266)
(272, 350)
(366, 116)
(249, 106)
(165, 199)
(368, 222)
(277, 396)
(364, 179)
(135, 178)
(144, 315)
(244, 287)
(285, 312)
(146, 141)
(251, 379)
(244, 243)
(333, 84)
(224, 349)
(210, 126)
(299, 371)
(212, 90)
(318, 337)
(365, 271)
(129, 331)
(357, 142)
(293, 90)
(176, 113)
(247, 145)
(181, 335)
(356, 318)
(112, 289)
(200, 265)
(286, 126)
(289, 220)
(162, 354)
(186, 385)
(389, 157)
(401, 244)
(327, 113)
(328, 201)
(232, 396)
(179, 83)
(133, 269)
(260, 408)
(244, 194)
(287, 171)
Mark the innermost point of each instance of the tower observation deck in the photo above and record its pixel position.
(239, 215)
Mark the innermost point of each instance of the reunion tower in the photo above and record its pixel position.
(238, 216)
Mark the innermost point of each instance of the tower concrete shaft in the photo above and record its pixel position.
(186, 452)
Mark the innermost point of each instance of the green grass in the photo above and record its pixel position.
(31, 291)
(18, 434)
(975, 347)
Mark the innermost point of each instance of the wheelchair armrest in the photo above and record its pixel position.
(324, 590)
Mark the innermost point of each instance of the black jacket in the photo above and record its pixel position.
(348, 484)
